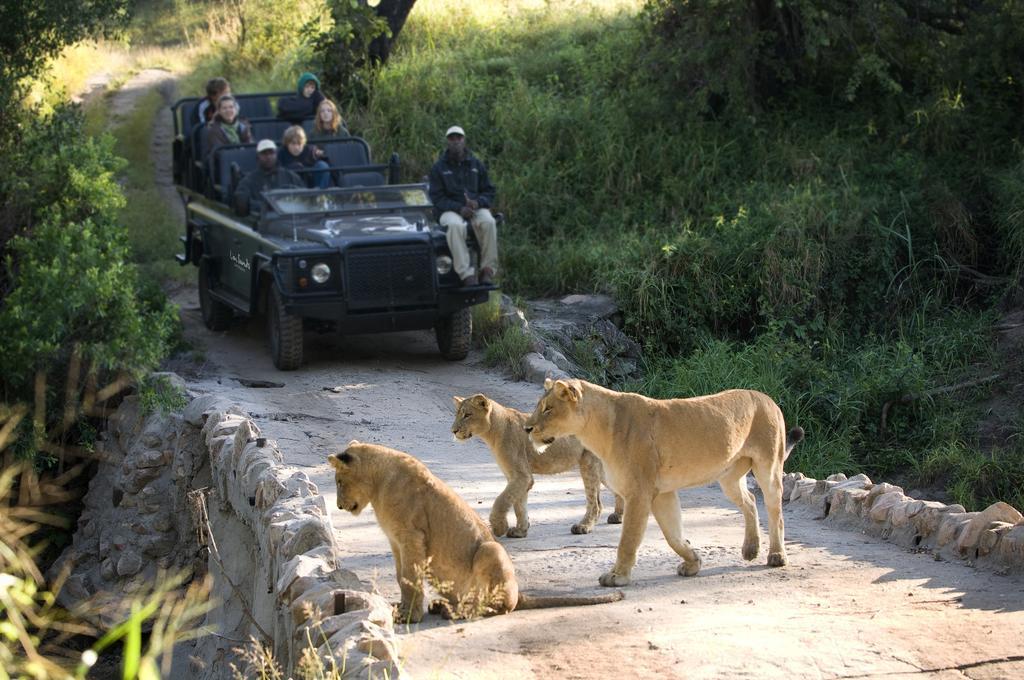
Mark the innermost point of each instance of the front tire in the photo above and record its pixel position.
(284, 331)
(454, 334)
(216, 315)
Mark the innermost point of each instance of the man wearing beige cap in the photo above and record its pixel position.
(462, 194)
(248, 195)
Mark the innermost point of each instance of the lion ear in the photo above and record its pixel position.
(548, 382)
(458, 401)
(567, 391)
(480, 401)
(339, 460)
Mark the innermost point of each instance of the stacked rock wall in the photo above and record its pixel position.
(992, 538)
(205, 491)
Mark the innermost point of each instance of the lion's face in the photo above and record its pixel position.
(351, 476)
(557, 412)
(472, 416)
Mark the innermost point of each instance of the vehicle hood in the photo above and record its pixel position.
(334, 230)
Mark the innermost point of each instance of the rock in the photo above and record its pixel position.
(789, 481)
(199, 408)
(950, 527)
(129, 564)
(997, 512)
(883, 504)
(536, 369)
(134, 482)
(163, 521)
(307, 535)
(1011, 547)
(108, 570)
(838, 477)
(160, 545)
(990, 537)
(150, 458)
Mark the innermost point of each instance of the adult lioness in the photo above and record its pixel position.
(652, 447)
(431, 529)
(501, 428)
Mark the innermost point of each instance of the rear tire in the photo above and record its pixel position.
(284, 331)
(454, 334)
(216, 315)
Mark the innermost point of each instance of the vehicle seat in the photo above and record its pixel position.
(233, 159)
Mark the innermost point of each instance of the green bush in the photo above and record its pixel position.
(70, 286)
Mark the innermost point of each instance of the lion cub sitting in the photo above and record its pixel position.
(432, 530)
(501, 428)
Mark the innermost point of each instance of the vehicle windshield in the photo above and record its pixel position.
(300, 201)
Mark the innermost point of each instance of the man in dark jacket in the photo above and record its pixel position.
(269, 175)
(462, 194)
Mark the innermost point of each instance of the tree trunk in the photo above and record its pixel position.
(395, 12)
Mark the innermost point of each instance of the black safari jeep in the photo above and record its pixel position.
(364, 256)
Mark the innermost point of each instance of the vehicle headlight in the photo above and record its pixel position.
(444, 265)
(321, 272)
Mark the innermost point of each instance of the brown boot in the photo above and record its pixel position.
(470, 280)
(487, 276)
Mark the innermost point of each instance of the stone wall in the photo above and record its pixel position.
(204, 491)
(992, 538)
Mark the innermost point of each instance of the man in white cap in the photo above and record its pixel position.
(462, 194)
(269, 175)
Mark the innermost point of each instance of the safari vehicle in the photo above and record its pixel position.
(363, 257)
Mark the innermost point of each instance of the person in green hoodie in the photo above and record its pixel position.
(305, 103)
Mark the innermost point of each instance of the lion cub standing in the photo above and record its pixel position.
(501, 428)
(431, 529)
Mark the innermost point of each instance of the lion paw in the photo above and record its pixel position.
(689, 568)
(404, 614)
(750, 549)
(611, 579)
(516, 532)
(499, 527)
(776, 559)
(582, 528)
(441, 608)
(615, 518)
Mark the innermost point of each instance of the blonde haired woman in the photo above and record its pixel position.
(328, 121)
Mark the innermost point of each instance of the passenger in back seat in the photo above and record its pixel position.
(207, 108)
(297, 155)
(269, 175)
(328, 121)
(227, 127)
(304, 104)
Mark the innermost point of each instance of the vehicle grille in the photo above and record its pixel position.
(390, 276)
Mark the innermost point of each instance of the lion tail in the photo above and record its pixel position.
(793, 437)
(543, 602)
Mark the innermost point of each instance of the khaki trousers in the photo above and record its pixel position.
(486, 231)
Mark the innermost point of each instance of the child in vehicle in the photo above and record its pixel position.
(298, 156)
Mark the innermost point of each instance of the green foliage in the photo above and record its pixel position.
(70, 281)
(158, 393)
(342, 49)
(838, 390)
(507, 349)
(976, 480)
(36, 31)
